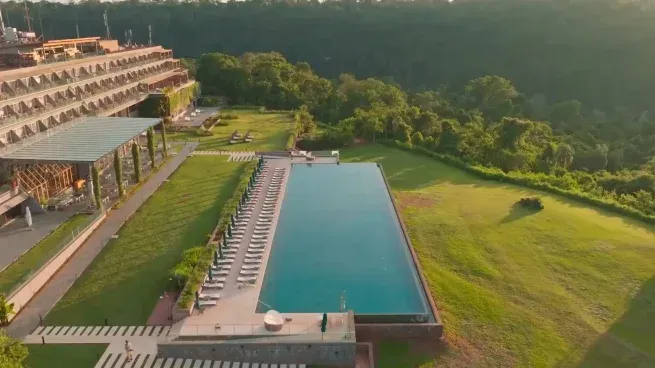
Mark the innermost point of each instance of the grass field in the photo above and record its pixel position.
(36, 257)
(270, 130)
(63, 356)
(570, 286)
(124, 282)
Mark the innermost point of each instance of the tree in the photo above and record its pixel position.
(136, 158)
(12, 351)
(512, 131)
(490, 92)
(324, 322)
(448, 140)
(163, 140)
(417, 139)
(118, 167)
(95, 177)
(151, 146)
(6, 309)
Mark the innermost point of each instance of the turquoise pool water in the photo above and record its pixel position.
(338, 232)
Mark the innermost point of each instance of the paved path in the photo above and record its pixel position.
(16, 238)
(28, 319)
(234, 155)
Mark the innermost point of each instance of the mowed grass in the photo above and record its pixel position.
(63, 356)
(270, 130)
(19, 271)
(124, 282)
(570, 286)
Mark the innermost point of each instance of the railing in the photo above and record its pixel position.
(306, 331)
(66, 81)
(49, 254)
(26, 115)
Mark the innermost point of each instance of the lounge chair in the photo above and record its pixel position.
(265, 227)
(207, 303)
(250, 267)
(258, 241)
(261, 232)
(256, 246)
(230, 251)
(213, 285)
(221, 268)
(254, 256)
(252, 261)
(222, 273)
(209, 296)
(266, 217)
(225, 261)
(249, 273)
(259, 237)
(250, 280)
(253, 251)
(215, 279)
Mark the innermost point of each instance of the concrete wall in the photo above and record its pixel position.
(341, 354)
(21, 297)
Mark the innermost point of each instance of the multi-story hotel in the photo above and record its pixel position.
(48, 88)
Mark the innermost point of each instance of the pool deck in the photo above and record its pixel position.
(235, 313)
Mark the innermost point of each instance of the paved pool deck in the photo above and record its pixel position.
(235, 313)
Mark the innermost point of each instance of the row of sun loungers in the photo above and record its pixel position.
(257, 245)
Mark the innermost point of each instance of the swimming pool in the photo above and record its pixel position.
(338, 232)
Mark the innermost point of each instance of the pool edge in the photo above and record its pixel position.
(438, 324)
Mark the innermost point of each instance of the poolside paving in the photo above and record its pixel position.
(235, 313)
(29, 317)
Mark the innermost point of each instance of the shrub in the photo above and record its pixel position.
(204, 132)
(222, 123)
(533, 203)
(228, 116)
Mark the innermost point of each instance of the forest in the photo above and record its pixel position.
(486, 122)
(597, 52)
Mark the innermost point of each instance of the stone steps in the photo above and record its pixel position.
(109, 360)
(102, 331)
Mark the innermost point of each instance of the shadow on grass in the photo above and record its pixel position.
(630, 341)
(411, 353)
(518, 212)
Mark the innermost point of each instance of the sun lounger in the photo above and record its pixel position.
(216, 279)
(210, 296)
(259, 236)
(250, 267)
(264, 221)
(254, 256)
(261, 232)
(258, 241)
(222, 273)
(250, 280)
(225, 261)
(253, 251)
(207, 303)
(249, 273)
(266, 217)
(230, 250)
(252, 261)
(213, 285)
(257, 246)
(264, 227)
(220, 268)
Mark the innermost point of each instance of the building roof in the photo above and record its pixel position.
(85, 142)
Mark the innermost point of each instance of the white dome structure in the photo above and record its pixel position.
(273, 320)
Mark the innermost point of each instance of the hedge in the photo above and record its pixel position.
(199, 272)
(524, 180)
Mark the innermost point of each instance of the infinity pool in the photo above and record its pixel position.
(338, 232)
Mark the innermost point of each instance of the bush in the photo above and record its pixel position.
(222, 123)
(228, 116)
(196, 277)
(533, 203)
(204, 132)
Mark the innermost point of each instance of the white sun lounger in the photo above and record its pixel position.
(253, 251)
(249, 273)
(259, 237)
(265, 227)
(214, 285)
(266, 217)
(225, 261)
(254, 256)
(258, 241)
(222, 273)
(209, 296)
(230, 250)
(216, 279)
(267, 212)
(221, 268)
(264, 221)
(251, 279)
(252, 261)
(256, 246)
(261, 232)
(250, 267)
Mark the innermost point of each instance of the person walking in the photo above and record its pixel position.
(128, 350)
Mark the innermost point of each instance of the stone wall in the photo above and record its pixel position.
(328, 353)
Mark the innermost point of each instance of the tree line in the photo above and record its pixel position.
(487, 122)
(598, 52)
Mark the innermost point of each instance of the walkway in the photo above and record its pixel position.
(16, 238)
(234, 155)
(28, 319)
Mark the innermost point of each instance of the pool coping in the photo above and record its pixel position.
(415, 260)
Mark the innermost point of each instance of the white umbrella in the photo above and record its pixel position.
(28, 217)
(89, 187)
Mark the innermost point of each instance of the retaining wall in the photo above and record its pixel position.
(328, 353)
(22, 296)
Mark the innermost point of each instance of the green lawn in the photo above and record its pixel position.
(32, 260)
(270, 130)
(570, 286)
(64, 356)
(124, 282)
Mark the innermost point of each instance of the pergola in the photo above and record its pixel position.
(46, 164)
